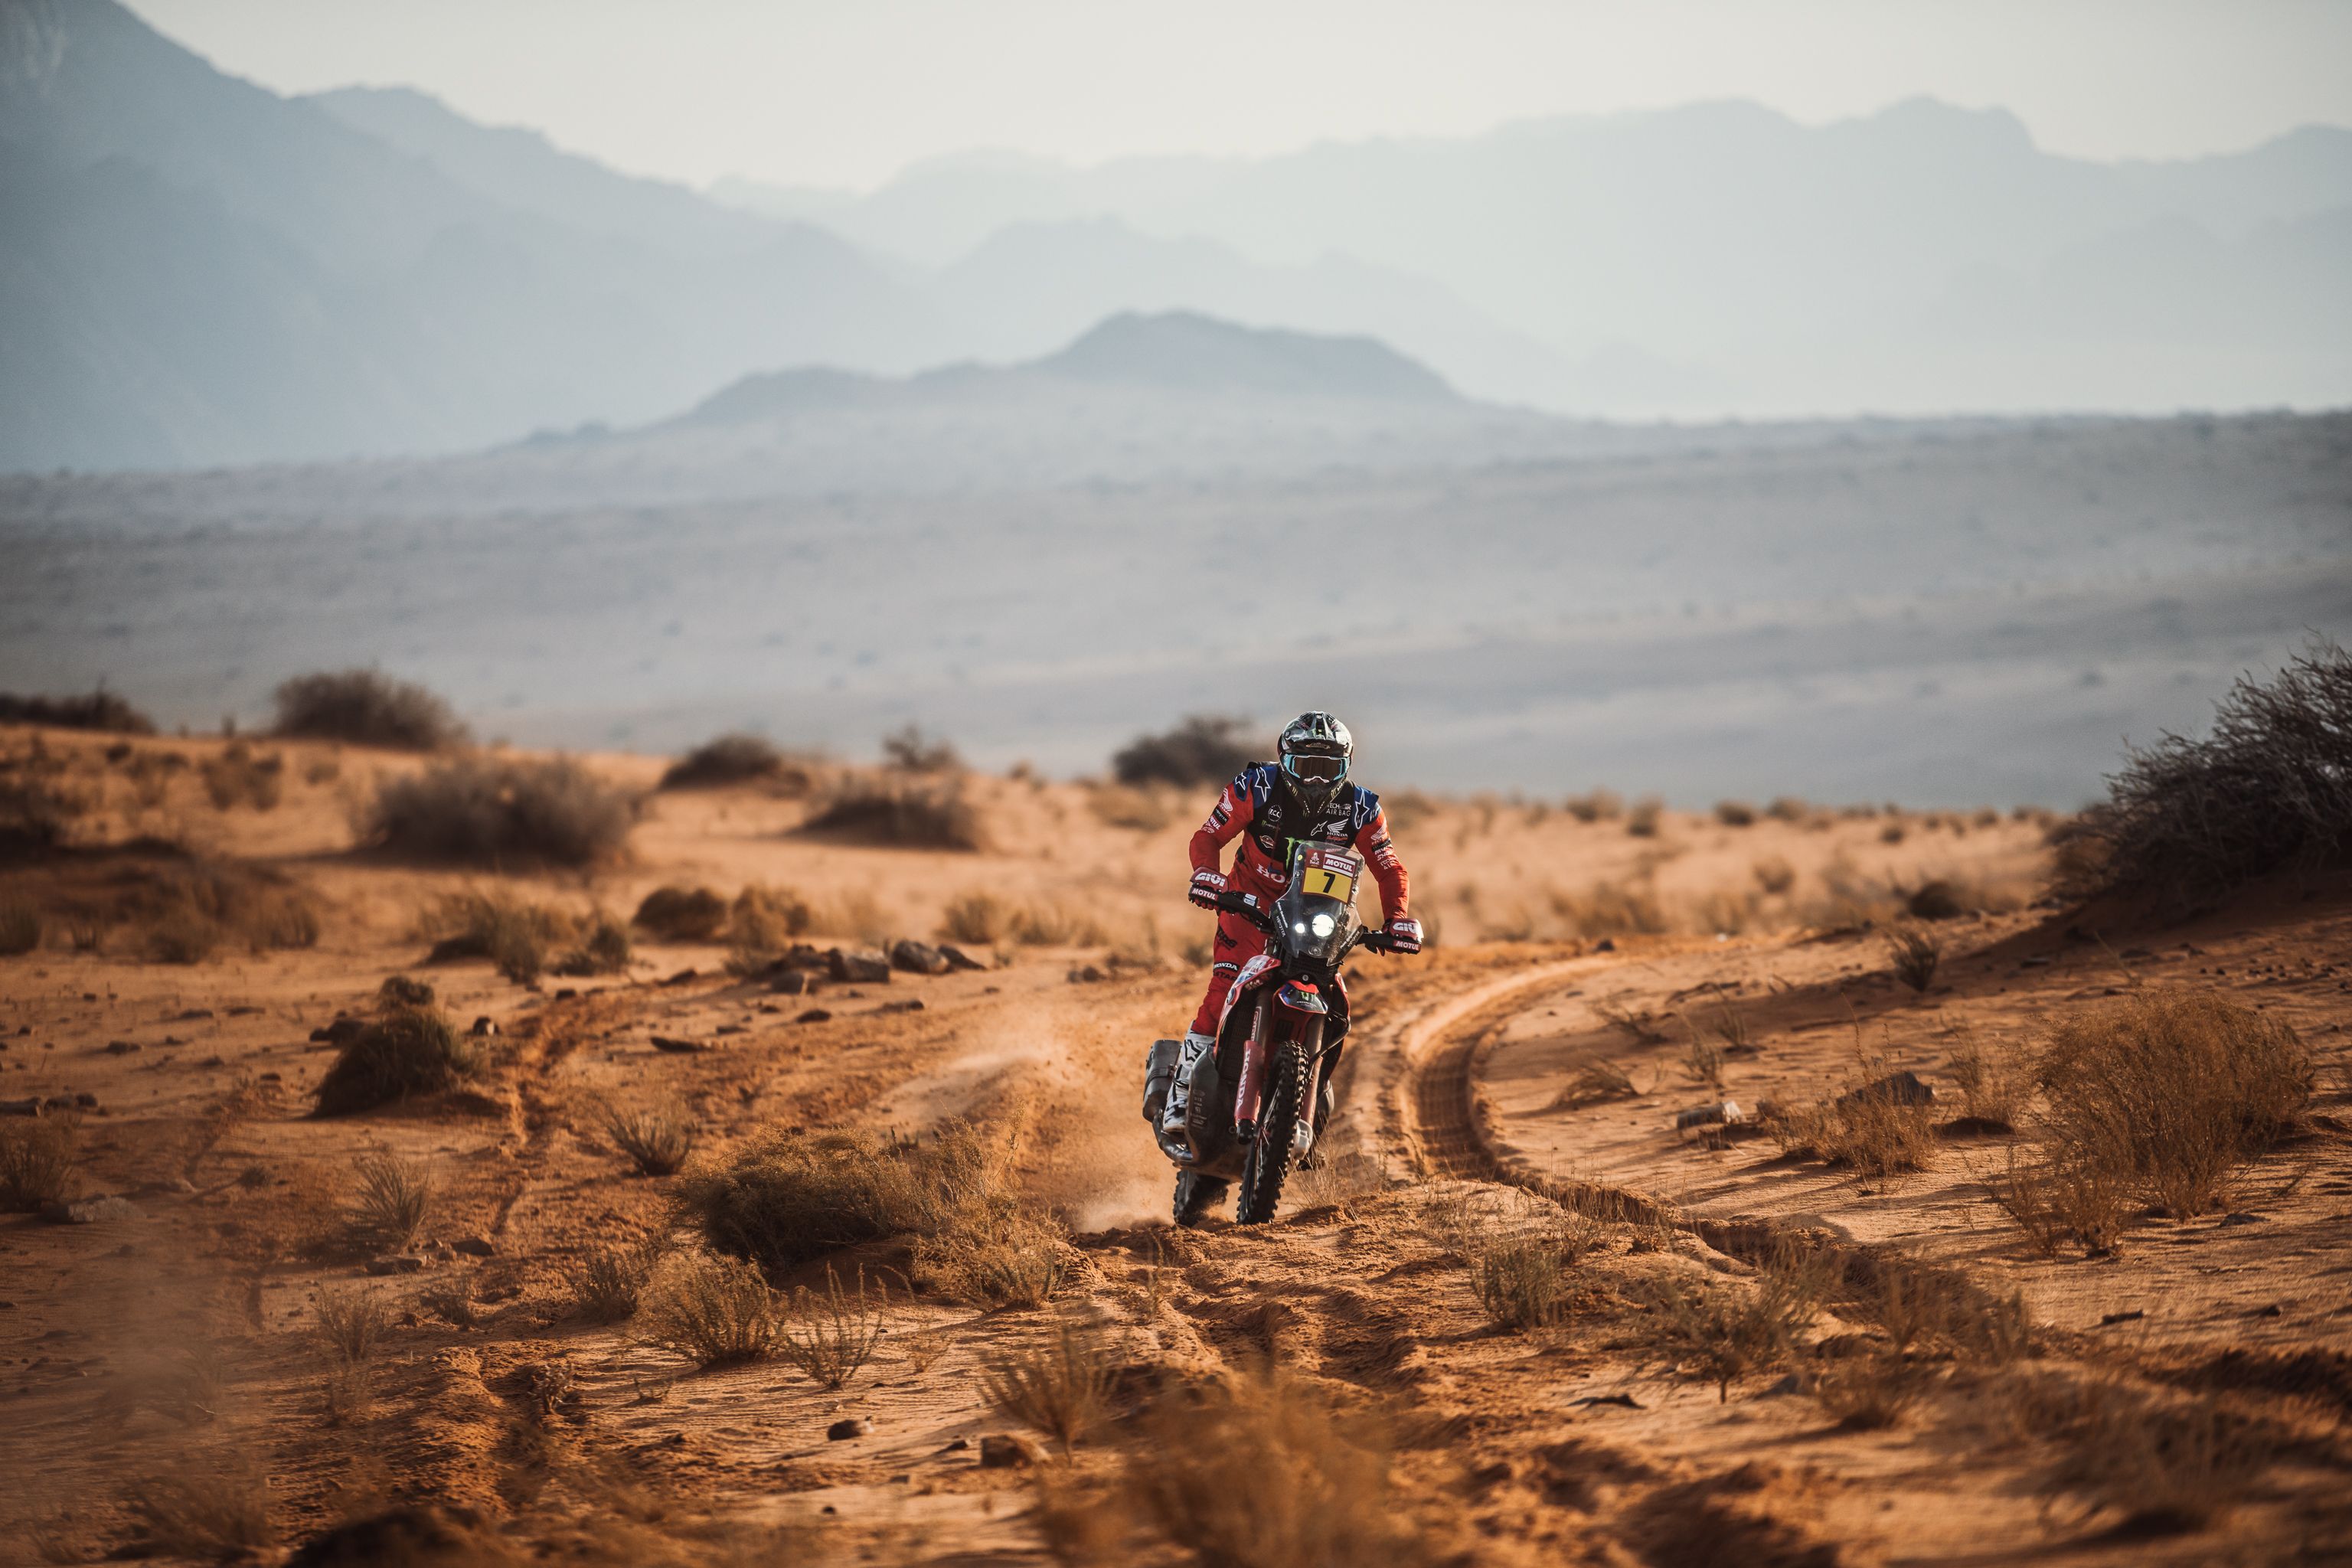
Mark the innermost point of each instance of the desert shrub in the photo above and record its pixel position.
(760, 923)
(715, 1310)
(607, 1282)
(992, 1254)
(2171, 1091)
(605, 950)
(1612, 908)
(188, 911)
(1865, 1393)
(682, 914)
(33, 817)
(1919, 1307)
(831, 1333)
(2063, 1198)
(1917, 955)
(349, 1323)
(216, 1510)
(728, 760)
(391, 1201)
(399, 990)
(1725, 1331)
(513, 934)
(407, 1051)
(1870, 1128)
(1203, 749)
(1601, 805)
(1272, 1476)
(1933, 900)
(1734, 813)
(2165, 1465)
(1643, 821)
(979, 917)
(2271, 787)
(367, 707)
(37, 1163)
(20, 925)
(236, 775)
(1774, 875)
(789, 1198)
(656, 1136)
(1788, 808)
(986, 920)
(911, 750)
(101, 709)
(1060, 1385)
(913, 814)
(502, 812)
(1137, 810)
(1639, 1024)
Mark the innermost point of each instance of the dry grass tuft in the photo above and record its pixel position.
(1135, 810)
(1773, 874)
(102, 709)
(1272, 1476)
(1995, 1081)
(1595, 1083)
(1601, 805)
(1866, 1392)
(1060, 1385)
(391, 1201)
(682, 914)
(218, 1511)
(1917, 956)
(986, 920)
(1725, 1331)
(911, 750)
(236, 775)
(2271, 788)
(656, 1136)
(996, 1255)
(1734, 813)
(503, 814)
(1612, 908)
(604, 949)
(761, 922)
(2061, 1198)
(20, 925)
(186, 912)
(350, 1323)
(2166, 1466)
(366, 708)
(1521, 1276)
(2170, 1091)
(729, 759)
(607, 1283)
(1643, 820)
(907, 814)
(714, 1311)
(514, 935)
(408, 1052)
(831, 1334)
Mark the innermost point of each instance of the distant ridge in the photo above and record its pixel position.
(1170, 351)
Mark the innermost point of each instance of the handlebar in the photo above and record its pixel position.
(1246, 906)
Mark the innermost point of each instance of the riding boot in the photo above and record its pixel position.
(1179, 1093)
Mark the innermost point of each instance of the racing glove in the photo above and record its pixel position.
(1405, 934)
(1206, 886)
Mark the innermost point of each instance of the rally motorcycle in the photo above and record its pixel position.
(1259, 1100)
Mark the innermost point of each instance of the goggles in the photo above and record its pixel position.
(1310, 769)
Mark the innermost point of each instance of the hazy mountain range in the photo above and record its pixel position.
(196, 271)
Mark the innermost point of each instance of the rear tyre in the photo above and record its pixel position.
(1268, 1165)
(1195, 1195)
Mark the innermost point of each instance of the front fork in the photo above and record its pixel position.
(1250, 1098)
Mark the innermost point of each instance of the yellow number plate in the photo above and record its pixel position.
(1327, 876)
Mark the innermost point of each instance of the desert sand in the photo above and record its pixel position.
(1583, 1441)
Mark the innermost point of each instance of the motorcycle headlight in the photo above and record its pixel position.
(1322, 925)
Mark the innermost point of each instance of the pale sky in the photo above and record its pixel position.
(847, 93)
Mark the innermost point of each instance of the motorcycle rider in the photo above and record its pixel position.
(1305, 795)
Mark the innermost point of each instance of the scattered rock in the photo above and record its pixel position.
(418, 1533)
(1626, 1400)
(474, 1246)
(89, 1211)
(790, 982)
(243, 1010)
(958, 959)
(958, 1445)
(484, 1027)
(918, 957)
(848, 1426)
(680, 978)
(1606, 944)
(1089, 975)
(2272, 1310)
(121, 1047)
(1005, 1450)
(2242, 1219)
(1724, 1114)
(814, 1015)
(676, 1046)
(858, 968)
(192, 1014)
(1895, 1088)
(399, 1263)
(732, 1029)
(1788, 1383)
(338, 1033)
(911, 1005)
(567, 993)
(2134, 1316)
